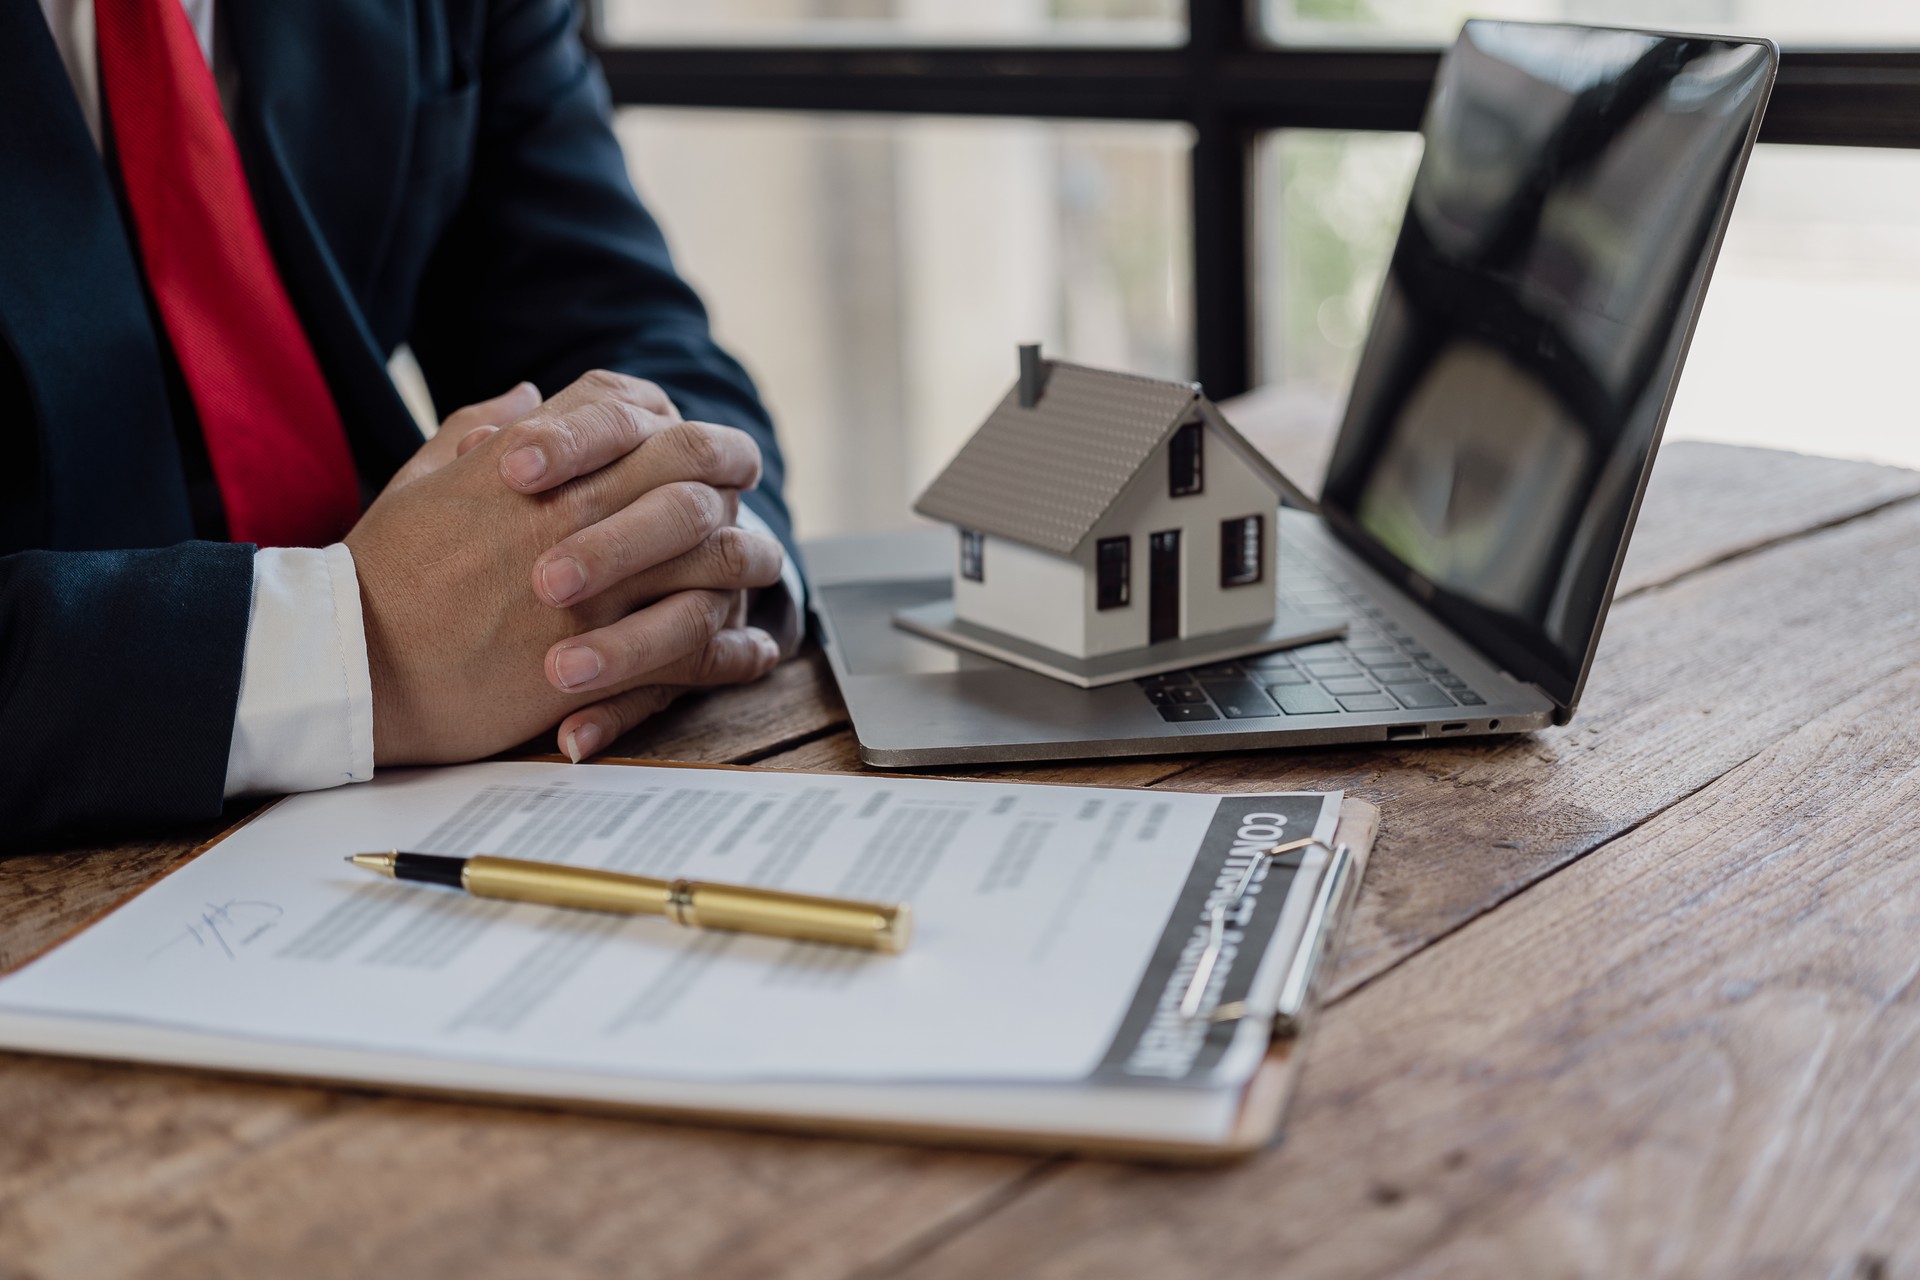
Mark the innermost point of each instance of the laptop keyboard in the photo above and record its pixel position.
(1378, 666)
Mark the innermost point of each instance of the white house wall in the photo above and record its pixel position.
(1027, 593)
(1232, 489)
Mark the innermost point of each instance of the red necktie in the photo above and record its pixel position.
(273, 435)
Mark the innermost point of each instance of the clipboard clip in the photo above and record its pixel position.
(1298, 983)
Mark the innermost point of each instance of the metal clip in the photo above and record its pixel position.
(1217, 932)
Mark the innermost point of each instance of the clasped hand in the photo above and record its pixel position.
(571, 562)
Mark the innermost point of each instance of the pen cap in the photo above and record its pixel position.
(870, 925)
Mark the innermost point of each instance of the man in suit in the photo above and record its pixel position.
(228, 563)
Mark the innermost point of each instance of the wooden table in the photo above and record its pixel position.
(1636, 997)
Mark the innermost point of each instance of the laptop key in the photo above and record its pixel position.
(1349, 685)
(1268, 662)
(1331, 670)
(1289, 676)
(1324, 651)
(1177, 714)
(1387, 673)
(1303, 700)
(1187, 694)
(1468, 698)
(1160, 697)
(1166, 678)
(1241, 699)
(1448, 680)
(1369, 702)
(1416, 696)
(1218, 670)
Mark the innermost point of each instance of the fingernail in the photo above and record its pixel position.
(583, 741)
(525, 465)
(575, 665)
(768, 646)
(562, 579)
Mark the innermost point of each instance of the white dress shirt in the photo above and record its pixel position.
(305, 716)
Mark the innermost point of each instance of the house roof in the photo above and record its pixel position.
(1044, 476)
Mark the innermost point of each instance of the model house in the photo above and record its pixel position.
(1100, 512)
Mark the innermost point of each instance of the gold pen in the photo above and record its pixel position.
(775, 913)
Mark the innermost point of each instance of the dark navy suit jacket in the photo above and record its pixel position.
(434, 172)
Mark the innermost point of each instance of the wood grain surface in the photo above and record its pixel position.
(1697, 1053)
(1626, 998)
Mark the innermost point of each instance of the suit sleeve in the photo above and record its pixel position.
(552, 267)
(119, 674)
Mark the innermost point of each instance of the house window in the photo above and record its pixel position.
(1183, 461)
(973, 555)
(1114, 560)
(1241, 544)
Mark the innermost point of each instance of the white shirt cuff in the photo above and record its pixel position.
(305, 719)
(782, 619)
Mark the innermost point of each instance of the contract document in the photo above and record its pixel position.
(1056, 932)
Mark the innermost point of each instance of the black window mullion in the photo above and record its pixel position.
(1219, 32)
(1223, 84)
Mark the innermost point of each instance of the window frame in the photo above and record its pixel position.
(1237, 543)
(1227, 83)
(1195, 431)
(973, 555)
(1102, 602)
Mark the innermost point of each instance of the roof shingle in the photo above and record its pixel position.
(1044, 476)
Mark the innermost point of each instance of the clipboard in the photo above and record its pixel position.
(1262, 1101)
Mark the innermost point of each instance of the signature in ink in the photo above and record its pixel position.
(226, 925)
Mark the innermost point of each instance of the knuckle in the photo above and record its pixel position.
(709, 663)
(732, 553)
(650, 395)
(602, 551)
(627, 389)
(554, 436)
(694, 508)
(695, 448)
(530, 431)
(720, 610)
(604, 380)
(613, 425)
(649, 700)
(705, 619)
(618, 715)
(639, 651)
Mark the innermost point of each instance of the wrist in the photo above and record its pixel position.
(396, 738)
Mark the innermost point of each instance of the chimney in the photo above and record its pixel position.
(1033, 374)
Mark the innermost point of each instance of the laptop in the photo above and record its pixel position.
(1522, 358)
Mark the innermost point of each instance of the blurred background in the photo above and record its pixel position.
(874, 271)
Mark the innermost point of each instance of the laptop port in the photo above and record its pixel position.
(1399, 731)
(1458, 726)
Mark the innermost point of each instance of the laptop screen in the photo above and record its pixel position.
(1530, 332)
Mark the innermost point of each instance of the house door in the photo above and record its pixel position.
(1163, 586)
